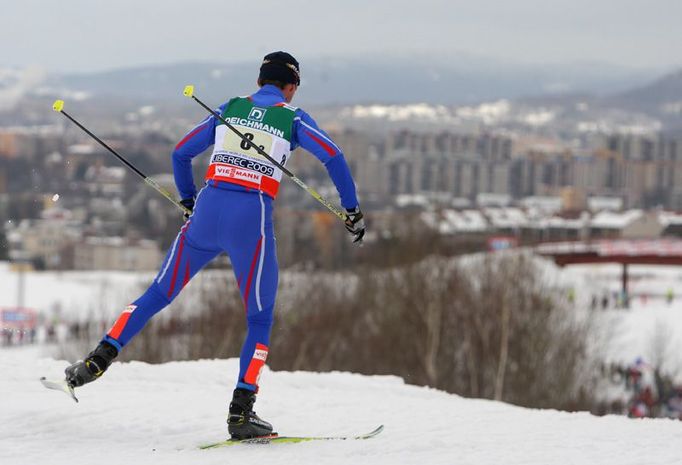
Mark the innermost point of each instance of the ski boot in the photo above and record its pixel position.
(242, 422)
(94, 365)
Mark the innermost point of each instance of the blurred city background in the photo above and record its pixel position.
(520, 169)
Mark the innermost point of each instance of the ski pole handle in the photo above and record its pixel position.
(58, 106)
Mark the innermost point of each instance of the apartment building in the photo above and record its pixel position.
(641, 171)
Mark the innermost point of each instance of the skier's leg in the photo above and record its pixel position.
(182, 262)
(254, 260)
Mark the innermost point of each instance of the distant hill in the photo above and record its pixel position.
(664, 91)
(451, 80)
(557, 96)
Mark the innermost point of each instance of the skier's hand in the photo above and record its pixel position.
(355, 224)
(188, 204)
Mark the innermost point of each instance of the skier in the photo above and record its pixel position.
(233, 213)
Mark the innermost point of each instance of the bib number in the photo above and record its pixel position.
(234, 143)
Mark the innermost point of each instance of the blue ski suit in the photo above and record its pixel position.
(229, 217)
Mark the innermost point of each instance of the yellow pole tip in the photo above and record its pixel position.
(189, 91)
(58, 105)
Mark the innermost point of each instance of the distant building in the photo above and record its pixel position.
(116, 253)
(531, 224)
(649, 225)
(44, 240)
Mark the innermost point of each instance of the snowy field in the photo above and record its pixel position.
(77, 295)
(652, 327)
(159, 414)
(148, 414)
(72, 294)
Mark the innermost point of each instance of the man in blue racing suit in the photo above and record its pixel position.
(232, 213)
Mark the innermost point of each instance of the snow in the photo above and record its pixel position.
(158, 414)
(640, 126)
(488, 113)
(103, 294)
(536, 213)
(506, 217)
(453, 221)
(419, 111)
(615, 220)
(649, 318)
(405, 200)
(542, 203)
(465, 221)
(669, 218)
(597, 203)
(538, 118)
(72, 294)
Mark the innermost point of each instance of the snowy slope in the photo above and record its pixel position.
(158, 414)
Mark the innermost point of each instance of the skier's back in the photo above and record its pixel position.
(233, 213)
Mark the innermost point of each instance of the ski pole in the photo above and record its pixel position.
(58, 106)
(189, 92)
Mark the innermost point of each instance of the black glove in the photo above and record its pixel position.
(355, 224)
(189, 204)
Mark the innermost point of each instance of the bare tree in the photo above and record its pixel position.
(483, 326)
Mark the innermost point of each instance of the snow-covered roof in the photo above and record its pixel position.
(467, 220)
(604, 203)
(556, 222)
(420, 111)
(615, 220)
(543, 203)
(506, 217)
(405, 200)
(453, 221)
(485, 199)
(669, 218)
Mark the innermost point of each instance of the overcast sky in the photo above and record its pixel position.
(86, 35)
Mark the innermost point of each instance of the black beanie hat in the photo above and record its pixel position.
(280, 66)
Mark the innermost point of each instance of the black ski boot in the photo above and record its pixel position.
(96, 363)
(243, 423)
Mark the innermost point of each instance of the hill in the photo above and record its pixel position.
(453, 79)
(666, 90)
(159, 414)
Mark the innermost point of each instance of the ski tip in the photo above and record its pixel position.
(58, 105)
(60, 385)
(188, 91)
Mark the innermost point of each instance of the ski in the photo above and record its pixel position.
(276, 439)
(60, 385)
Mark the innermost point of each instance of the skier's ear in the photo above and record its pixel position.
(289, 90)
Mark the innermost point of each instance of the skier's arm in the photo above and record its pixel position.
(201, 137)
(309, 136)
